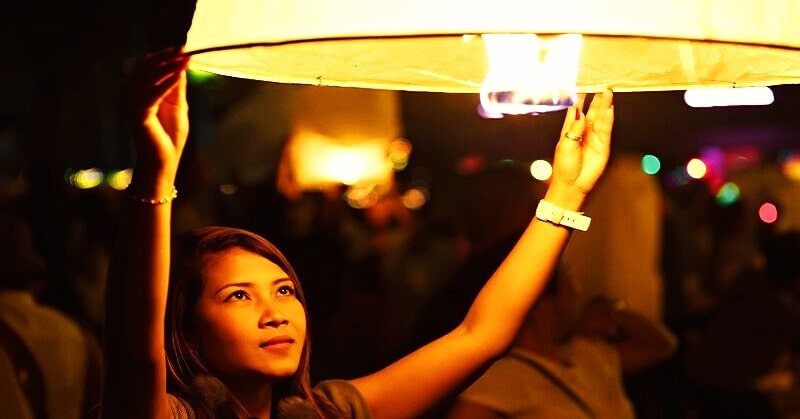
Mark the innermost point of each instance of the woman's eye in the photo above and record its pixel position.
(286, 290)
(237, 295)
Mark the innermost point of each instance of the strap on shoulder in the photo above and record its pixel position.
(558, 382)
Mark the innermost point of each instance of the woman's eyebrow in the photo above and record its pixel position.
(251, 285)
(234, 285)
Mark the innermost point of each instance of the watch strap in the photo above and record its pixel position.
(552, 213)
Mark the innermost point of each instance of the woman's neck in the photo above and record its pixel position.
(255, 399)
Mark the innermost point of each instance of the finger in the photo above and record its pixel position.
(181, 89)
(156, 72)
(581, 100)
(602, 128)
(607, 123)
(151, 68)
(164, 55)
(574, 125)
(157, 79)
(596, 116)
(599, 136)
(572, 114)
(600, 102)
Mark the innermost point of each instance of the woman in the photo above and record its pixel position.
(224, 334)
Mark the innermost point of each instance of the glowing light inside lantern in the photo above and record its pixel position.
(738, 96)
(530, 74)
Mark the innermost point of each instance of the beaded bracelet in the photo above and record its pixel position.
(153, 201)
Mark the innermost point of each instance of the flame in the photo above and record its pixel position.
(529, 74)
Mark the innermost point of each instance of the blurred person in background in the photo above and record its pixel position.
(51, 364)
(569, 360)
(746, 362)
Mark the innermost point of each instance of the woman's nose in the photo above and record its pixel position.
(273, 317)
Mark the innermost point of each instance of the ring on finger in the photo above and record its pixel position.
(574, 137)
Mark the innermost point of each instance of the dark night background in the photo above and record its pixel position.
(63, 69)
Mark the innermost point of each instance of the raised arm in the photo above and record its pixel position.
(154, 106)
(418, 381)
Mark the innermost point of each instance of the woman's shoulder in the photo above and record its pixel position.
(339, 393)
(344, 396)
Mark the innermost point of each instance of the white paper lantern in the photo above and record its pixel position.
(416, 45)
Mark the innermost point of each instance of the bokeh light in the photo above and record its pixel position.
(651, 164)
(415, 198)
(228, 188)
(471, 163)
(729, 96)
(679, 177)
(119, 179)
(399, 153)
(541, 170)
(768, 212)
(727, 194)
(361, 197)
(199, 76)
(86, 178)
(696, 168)
(789, 162)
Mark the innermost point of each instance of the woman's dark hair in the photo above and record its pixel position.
(188, 374)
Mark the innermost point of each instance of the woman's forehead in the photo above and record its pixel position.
(237, 264)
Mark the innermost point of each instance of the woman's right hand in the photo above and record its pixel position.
(155, 108)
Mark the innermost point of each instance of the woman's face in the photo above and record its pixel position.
(248, 318)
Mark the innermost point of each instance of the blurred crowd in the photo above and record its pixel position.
(731, 301)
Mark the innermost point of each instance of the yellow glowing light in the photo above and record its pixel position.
(228, 188)
(399, 153)
(530, 74)
(414, 198)
(119, 179)
(541, 170)
(790, 167)
(319, 161)
(361, 197)
(87, 178)
(343, 136)
(696, 168)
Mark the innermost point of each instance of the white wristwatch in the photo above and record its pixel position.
(546, 211)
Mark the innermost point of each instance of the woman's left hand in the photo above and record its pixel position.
(583, 149)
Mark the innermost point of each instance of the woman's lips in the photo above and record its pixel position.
(278, 343)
